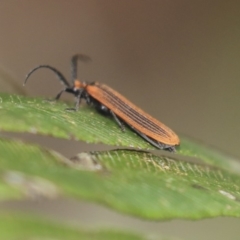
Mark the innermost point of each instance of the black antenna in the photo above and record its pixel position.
(74, 60)
(59, 74)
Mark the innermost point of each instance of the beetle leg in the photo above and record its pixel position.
(155, 143)
(120, 124)
(78, 100)
(59, 95)
(88, 99)
(78, 96)
(68, 89)
(171, 149)
(104, 110)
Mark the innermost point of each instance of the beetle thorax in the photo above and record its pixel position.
(79, 85)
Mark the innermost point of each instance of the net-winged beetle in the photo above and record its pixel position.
(109, 101)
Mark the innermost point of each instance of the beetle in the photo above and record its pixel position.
(110, 102)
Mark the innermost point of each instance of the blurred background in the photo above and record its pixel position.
(178, 60)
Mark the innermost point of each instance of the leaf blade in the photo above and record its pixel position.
(133, 182)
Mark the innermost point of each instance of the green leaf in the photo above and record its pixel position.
(31, 227)
(17, 159)
(131, 181)
(24, 114)
(204, 153)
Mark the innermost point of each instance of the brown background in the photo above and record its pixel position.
(179, 60)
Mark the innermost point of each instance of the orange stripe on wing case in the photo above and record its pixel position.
(132, 115)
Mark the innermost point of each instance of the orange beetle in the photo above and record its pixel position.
(109, 101)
